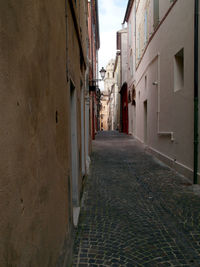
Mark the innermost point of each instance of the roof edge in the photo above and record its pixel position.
(97, 19)
(128, 10)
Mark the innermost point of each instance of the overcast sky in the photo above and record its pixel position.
(111, 16)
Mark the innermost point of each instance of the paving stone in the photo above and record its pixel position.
(137, 211)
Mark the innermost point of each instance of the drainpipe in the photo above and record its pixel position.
(196, 85)
(157, 83)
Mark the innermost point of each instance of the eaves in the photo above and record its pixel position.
(128, 10)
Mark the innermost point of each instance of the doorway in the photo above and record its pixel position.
(124, 108)
(145, 121)
(74, 146)
(82, 132)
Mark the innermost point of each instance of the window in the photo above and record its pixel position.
(179, 70)
(133, 95)
(155, 13)
(145, 28)
(129, 29)
(131, 62)
(129, 97)
(138, 56)
(145, 82)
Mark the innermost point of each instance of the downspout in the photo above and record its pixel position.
(196, 85)
(157, 83)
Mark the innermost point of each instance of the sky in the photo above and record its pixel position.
(111, 16)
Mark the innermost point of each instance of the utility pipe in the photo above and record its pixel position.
(159, 132)
(196, 85)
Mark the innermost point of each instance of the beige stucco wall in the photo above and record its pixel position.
(35, 165)
(176, 108)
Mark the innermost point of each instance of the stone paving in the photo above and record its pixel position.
(136, 210)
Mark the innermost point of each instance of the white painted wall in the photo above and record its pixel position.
(169, 113)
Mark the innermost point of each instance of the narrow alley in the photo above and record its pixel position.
(99, 104)
(135, 210)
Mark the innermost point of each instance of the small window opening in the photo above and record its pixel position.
(145, 83)
(56, 116)
(156, 13)
(179, 70)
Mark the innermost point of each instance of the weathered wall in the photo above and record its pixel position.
(34, 136)
(77, 76)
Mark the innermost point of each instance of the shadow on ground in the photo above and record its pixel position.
(137, 211)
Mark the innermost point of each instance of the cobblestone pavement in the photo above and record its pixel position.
(137, 211)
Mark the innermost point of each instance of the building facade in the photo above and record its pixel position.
(44, 137)
(131, 66)
(122, 49)
(109, 89)
(161, 79)
(104, 113)
(117, 86)
(94, 44)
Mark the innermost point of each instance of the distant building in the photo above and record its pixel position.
(104, 113)
(122, 48)
(109, 82)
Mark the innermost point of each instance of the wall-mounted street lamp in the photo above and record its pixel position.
(93, 82)
(102, 73)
